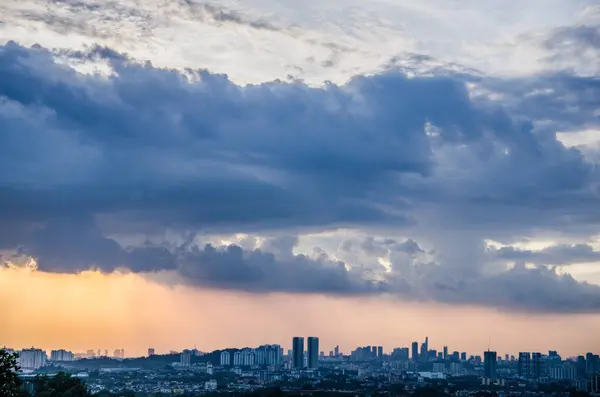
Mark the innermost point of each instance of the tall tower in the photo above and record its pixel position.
(489, 364)
(536, 365)
(298, 352)
(415, 351)
(313, 352)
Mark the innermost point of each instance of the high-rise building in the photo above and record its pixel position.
(336, 351)
(380, 351)
(237, 359)
(298, 352)
(463, 356)
(524, 364)
(489, 364)
(312, 348)
(118, 353)
(445, 353)
(150, 351)
(415, 351)
(186, 358)
(225, 359)
(536, 365)
(425, 349)
(32, 358)
(61, 355)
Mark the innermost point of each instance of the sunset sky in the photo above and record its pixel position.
(232, 173)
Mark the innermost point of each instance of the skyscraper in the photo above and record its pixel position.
(298, 352)
(415, 351)
(313, 352)
(32, 358)
(524, 364)
(380, 351)
(445, 352)
(489, 364)
(425, 349)
(424, 352)
(536, 365)
(150, 351)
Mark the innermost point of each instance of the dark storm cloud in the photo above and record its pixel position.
(563, 102)
(157, 149)
(562, 254)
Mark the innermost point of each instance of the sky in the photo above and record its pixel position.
(228, 174)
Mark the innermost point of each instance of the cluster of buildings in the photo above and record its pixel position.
(268, 363)
(262, 355)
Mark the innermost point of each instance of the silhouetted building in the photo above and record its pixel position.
(298, 352)
(445, 353)
(524, 367)
(489, 364)
(150, 352)
(380, 351)
(313, 352)
(425, 349)
(536, 365)
(415, 351)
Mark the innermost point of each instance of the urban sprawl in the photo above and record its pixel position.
(307, 370)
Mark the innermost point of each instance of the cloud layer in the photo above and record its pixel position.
(145, 151)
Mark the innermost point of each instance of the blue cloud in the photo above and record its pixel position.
(158, 149)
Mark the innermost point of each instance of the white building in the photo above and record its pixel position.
(61, 355)
(248, 358)
(225, 358)
(32, 358)
(185, 359)
(237, 359)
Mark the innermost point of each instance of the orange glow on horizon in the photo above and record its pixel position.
(99, 311)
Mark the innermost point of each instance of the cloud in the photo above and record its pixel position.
(562, 254)
(153, 151)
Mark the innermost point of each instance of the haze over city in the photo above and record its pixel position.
(228, 174)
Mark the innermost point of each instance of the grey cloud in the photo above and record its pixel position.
(157, 149)
(75, 245)
(381, 247)
(574, 39)
(410, 246)
(562, 254)
(205, 11)
(520, 289)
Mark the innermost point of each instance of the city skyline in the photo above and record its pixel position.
(445, 351)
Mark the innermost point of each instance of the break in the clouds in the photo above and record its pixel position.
(136, 168)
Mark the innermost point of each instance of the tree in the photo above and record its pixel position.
(60, 385)
(10, 384)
